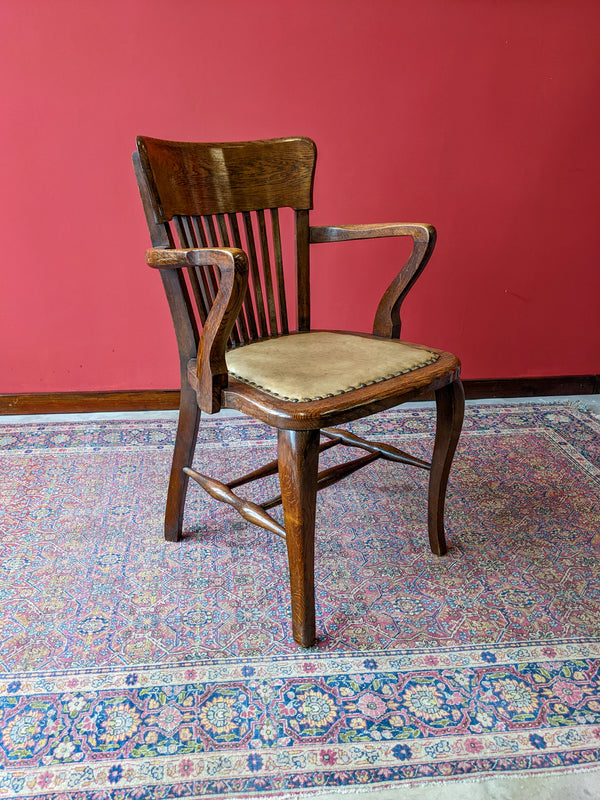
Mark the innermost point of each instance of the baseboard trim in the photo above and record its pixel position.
(532, 387)
(166, 399)
(90, 402)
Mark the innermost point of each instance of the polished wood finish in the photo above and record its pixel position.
(213, 211)
(271, 468)
(450, 405)
(298, 456)
(233, 268)
(385, 451)
(246, 508)
(228, 177)
(89, 402)
(387, 317)
(330, 476)
(183, 454)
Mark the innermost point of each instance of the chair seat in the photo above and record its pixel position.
(312, 366)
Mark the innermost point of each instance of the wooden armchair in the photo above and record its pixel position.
(213, 211)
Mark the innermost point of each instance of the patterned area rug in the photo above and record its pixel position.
(135, 668)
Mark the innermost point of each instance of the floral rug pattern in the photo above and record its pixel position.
(131, 667)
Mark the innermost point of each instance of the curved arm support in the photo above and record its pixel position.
(387, 317)
(233, 267)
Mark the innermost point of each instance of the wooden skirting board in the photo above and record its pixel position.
(165, 399)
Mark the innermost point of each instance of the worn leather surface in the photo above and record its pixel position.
(310, 366)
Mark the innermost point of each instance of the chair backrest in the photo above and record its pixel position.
(230, 195)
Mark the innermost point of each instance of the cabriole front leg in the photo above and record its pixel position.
(183, 455)
(298, 453)
(450, 404)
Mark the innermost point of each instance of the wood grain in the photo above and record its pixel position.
(250, 511)
(226, 177)
(387, 321)
(385, 451)
(233, 267)
(298, 463)
(450, 405)
(220, 297)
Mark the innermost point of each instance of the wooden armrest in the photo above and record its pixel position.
(233, 266)
(387, 317)
(192, 257)
(345, 233)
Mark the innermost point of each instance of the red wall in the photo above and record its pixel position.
(480, 117)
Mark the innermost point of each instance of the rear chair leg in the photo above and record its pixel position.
(298, 454)
(183, 455)
(450, 403)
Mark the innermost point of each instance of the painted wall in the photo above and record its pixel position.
(480, 117)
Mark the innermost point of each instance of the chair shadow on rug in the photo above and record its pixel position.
(214, 213)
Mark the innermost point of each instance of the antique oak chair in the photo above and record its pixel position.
(214, 216)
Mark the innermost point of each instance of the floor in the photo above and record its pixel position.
(580, 785)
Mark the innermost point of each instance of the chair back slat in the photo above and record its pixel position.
(209, 239)
(203, 281)
(217, 235)
(276, 233)
(206, 275)
(203, 300)
(248, 305)
(254, 284)
(302, 270)
(187, 238)
(223, 230)
(211, 232)
(200, 232)
(266, 271)
(185, 234)
(217, 195)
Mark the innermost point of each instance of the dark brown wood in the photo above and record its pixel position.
(271, 468)
(200, 232)
(248, 307)
(336, 473)
(298, 454)
(228, 177)
(266, 271)
(246, 508)
(387, 317)
(233, 267)
(279, 277)
(239, 332)
(385, 451)
(450, 403)
(206, 228)
(183, 456)
(89, 402)
(303, 270)
(256, 285)
(214, 226)
(197, 276)
(223, 230)
(200, 190)
(160, 235)
(211, 231)
(330, 476)
(548, 386)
